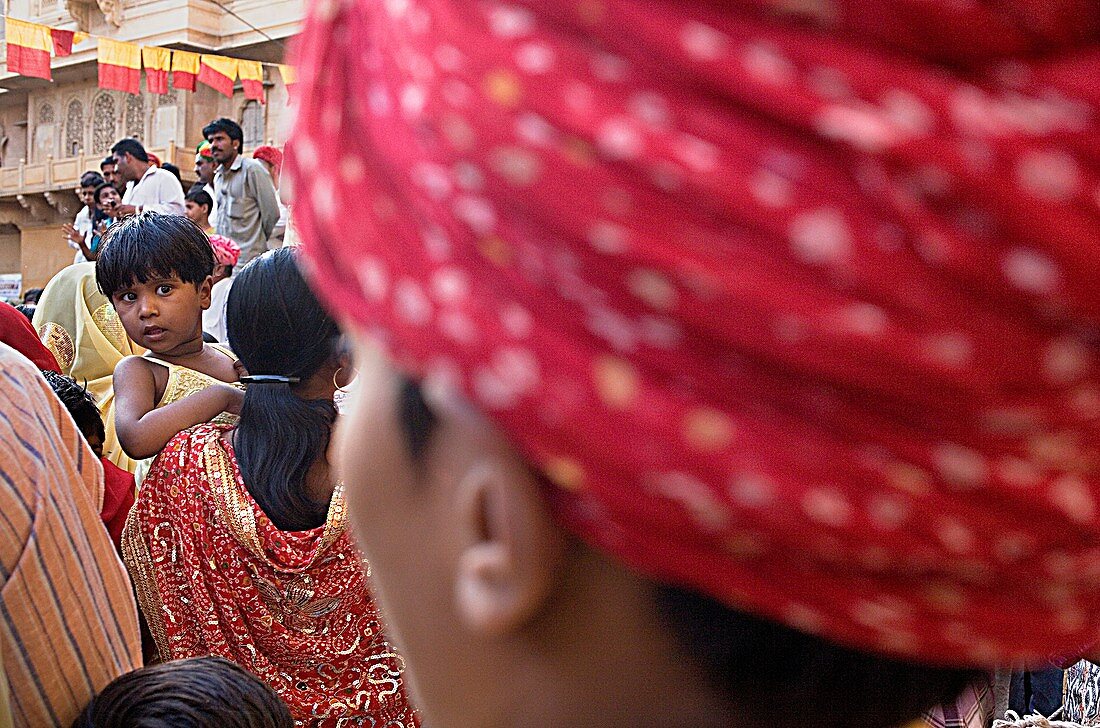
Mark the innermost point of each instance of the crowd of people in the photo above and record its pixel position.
(672, 365)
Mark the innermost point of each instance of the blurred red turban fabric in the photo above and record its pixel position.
(796, 302)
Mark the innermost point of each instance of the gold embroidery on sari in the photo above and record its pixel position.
(60, 344)
(107, 321)
(139, 562)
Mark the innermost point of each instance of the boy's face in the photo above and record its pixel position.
(196, 213)
(87, 195)
(164, 314)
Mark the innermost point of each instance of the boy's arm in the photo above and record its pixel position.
(142, 429)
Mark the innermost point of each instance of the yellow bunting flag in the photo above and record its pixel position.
(218, 72)
(252, 79)
(119, 66)
(157, 62)
(29, 46)
(185, 69)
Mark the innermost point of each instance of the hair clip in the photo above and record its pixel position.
(269, 379)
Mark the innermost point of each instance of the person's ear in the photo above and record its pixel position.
(511, 551)
(204, 292)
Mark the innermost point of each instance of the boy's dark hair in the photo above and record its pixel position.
(91, 179)
(108, 161)
(231, 128)
(201, 692)
(200, 197)
(280, 434)
(27, 309)
(131, 146)
(78, 401)
(150, 245)
(100, 187)
(31, 295)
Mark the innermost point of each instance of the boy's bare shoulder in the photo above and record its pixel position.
(131, 366)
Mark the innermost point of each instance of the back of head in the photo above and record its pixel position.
(202, 692)
(78, 401)
(277, 327)
(108, 161)
(168, 167)
(151, 245)
(132, 147)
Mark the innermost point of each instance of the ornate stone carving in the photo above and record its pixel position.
(35, 207)
(104, 123)
(81, 11)
(66, 203)
(74, 128)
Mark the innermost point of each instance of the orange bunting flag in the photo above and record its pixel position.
(157, 62)
(119, 66)
(185, 69)
(29, 46)
(62, 42)
(218, 72)
(290, 77)
(252, 79)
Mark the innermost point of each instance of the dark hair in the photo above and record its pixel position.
(231, 128)
(280, 435)
(776, 674)
(130, 146)
(200, 197)
(27, 309)
(150, 245)
(31, 295)
(169, 167)
(100, 187)
(108, 161)
(91, 179)
(78, 401)
(200, 692)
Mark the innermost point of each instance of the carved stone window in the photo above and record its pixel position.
(44, 136)
(135, 117)
(104, 124)
(45, 114)
(252, 124)
(74, 128)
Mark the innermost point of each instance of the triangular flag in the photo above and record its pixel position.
(252, 79)
(29, 46)
(119, 66)
(157, 62)
(218, 72)
(62, 42)
(185, 69)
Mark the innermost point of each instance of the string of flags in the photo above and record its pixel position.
(31, 45)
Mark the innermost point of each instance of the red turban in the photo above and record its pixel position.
(796, 302)
(271, 155)
(226, 251)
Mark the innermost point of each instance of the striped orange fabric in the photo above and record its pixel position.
(68, 622)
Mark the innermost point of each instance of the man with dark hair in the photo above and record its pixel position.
(248, 209)
(153, 189)
(107, 168)
(205, 167)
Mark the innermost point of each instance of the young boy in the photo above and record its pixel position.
(198, 205)
(156, 270)
(118, 485)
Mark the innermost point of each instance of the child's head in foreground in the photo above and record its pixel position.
(156, 270)
(202, 692)
(81, 405)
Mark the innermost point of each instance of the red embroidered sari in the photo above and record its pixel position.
(214, 576)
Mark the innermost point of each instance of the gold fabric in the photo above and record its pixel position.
(78, 324)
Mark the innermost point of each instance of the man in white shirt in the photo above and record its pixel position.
(153, 188)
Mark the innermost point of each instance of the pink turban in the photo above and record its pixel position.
(795, 302)
(226, 252)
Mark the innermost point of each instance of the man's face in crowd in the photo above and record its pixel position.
(204, 169)
(223, 148)
(108, 173)
(125, 168)
(87, 195)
